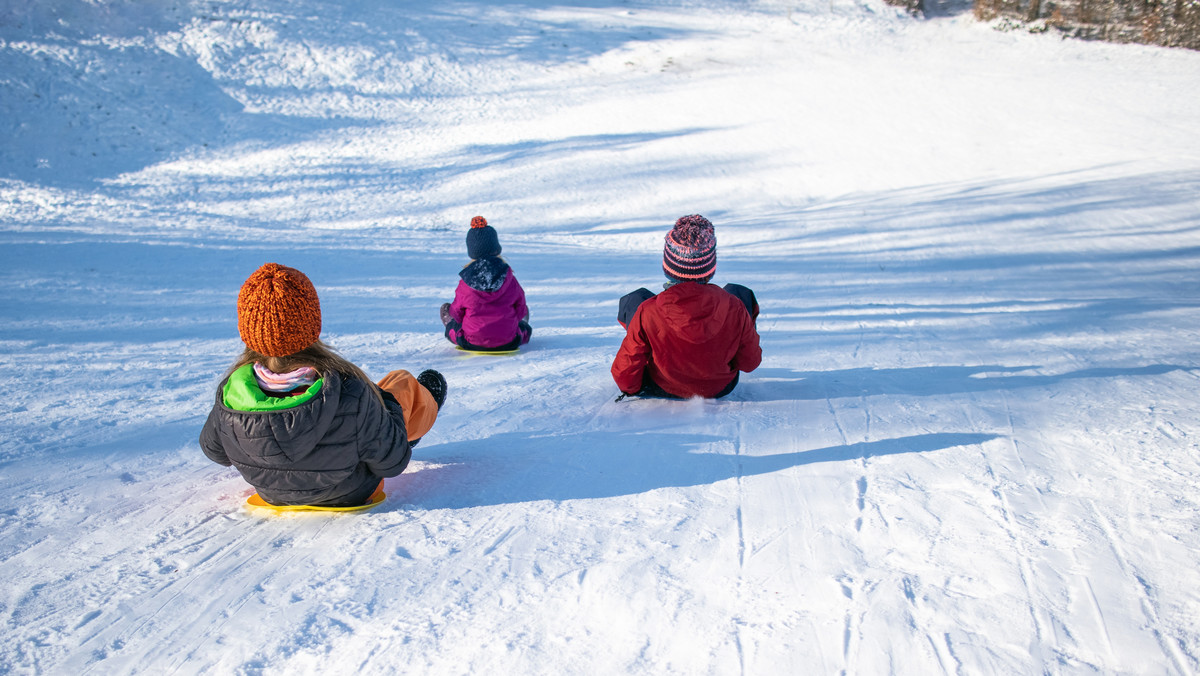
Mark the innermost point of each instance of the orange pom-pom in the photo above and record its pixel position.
(479, 222)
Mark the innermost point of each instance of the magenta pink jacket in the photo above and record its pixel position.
(489, 303)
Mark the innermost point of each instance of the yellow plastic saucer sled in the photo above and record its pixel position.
(460, 348)
(256, 502)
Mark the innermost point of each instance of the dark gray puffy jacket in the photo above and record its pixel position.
(331, 450)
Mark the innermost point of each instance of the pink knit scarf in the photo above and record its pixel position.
(271, 382)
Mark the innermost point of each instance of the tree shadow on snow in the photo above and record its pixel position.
(101, 89)
(515, 468)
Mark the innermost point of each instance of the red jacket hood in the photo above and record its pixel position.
(697, 314)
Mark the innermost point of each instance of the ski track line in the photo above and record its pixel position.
(739, 626)
(863, 466)
(1100, 622)
(1011, 528)
(1024, 561)
(1012, 438)
(499, 540)
(1144, 593)
(922, 619)
(853, 589)
(848, 626)
(862, 338)
(939, 649)
(767, 542)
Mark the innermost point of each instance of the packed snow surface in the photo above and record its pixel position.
(972, 446)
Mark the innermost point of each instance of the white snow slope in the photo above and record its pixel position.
(972, 446)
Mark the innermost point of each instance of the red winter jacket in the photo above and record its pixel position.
(691, 339)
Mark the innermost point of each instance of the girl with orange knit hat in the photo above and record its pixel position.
(303, 425)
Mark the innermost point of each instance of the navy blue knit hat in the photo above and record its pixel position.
(482, 240)
(690, 250)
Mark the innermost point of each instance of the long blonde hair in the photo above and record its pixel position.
(319, 356)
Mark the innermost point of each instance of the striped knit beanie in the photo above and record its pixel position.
(690, 252)
(278, 311)
(482, 240)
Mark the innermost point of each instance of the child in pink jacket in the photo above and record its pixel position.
(489, 312)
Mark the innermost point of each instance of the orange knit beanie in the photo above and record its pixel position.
(278, 311)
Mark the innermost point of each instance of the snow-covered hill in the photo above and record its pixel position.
(971, 448)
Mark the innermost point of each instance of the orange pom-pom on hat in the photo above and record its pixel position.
(482, 240)
(278, 311)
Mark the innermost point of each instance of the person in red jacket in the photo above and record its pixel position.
(693, 338)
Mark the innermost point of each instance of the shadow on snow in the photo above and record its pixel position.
(96, 90)
(514, 467)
